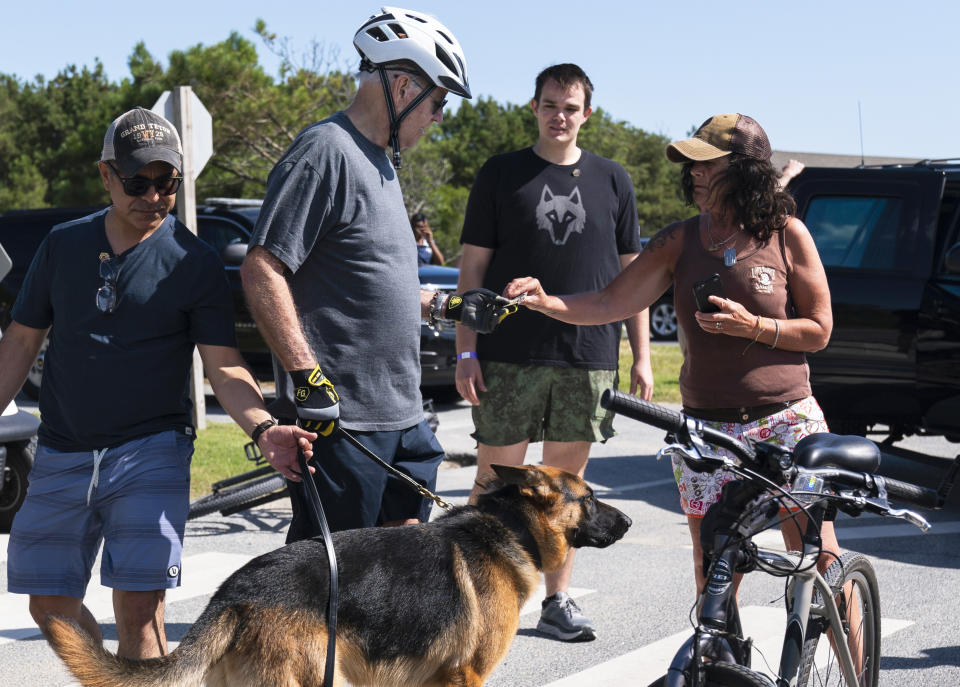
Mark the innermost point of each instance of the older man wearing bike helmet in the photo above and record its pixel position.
(331, 278)
(745, 369)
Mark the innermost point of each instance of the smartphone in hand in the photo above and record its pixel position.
(703, 289)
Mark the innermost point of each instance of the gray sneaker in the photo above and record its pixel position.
(562, 618)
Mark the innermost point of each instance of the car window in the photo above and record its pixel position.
(856, 231)
(220, 232)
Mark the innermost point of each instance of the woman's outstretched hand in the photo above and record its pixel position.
(534, 297)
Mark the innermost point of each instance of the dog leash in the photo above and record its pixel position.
(320, 520)
(313, 498)
(412, 483)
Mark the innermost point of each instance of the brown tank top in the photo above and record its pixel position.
(716, 373)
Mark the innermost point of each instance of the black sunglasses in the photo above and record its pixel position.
(166, 185)
(437, 107)
(107, 294)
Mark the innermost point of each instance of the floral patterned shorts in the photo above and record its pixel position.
(698, 491)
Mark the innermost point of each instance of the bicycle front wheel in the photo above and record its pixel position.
(859, 601)
(726, 675)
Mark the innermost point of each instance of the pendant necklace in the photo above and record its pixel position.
(729, 257)
(729, 254)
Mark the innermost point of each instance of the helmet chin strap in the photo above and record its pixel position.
(395, 119)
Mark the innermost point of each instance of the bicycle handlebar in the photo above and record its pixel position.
(677, 423)
(644, 411)
(914, 494)
(670, 420)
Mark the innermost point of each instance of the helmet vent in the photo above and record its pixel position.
(377, 34)
(445, 36)
(399, 31)
(445, 58)
(416, 18)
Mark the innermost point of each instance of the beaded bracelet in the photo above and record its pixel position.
(436, 307)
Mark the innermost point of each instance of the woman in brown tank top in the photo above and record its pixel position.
(745, 370)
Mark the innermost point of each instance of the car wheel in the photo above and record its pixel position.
(663, 321)
(13, 480)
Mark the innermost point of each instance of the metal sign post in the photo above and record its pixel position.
(185, 111)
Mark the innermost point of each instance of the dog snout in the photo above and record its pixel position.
(622, 522)
(603, 528)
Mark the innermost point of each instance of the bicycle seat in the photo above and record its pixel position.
(825, 450)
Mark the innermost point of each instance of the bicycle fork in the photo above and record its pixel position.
(718, 636)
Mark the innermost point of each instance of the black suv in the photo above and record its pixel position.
(889, 239)
(224, 223)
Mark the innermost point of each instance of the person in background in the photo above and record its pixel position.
(789, 171)
(569, 216)
(125, 294)
(427, 251)
(745, 369)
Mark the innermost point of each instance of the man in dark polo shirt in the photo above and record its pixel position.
(125, 295)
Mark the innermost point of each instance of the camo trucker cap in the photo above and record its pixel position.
(721, 135)
(139, 137)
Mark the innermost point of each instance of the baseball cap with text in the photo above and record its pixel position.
(721, 135)
(139, 137)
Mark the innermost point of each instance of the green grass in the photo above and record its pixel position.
(218, 454)
(666, 361)
(219, 448)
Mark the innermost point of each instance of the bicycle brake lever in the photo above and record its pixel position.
(910, 516)
(671, 450)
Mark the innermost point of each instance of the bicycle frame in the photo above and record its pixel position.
(718, 635)
(801, 608)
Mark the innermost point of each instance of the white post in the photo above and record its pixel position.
(187, 213)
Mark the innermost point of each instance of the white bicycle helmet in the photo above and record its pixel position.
(397, 34)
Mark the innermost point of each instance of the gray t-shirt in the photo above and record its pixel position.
(334, 214)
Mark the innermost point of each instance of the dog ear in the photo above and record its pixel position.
(523, 476)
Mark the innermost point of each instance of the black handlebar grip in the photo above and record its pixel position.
(644, 411)
(924, 497)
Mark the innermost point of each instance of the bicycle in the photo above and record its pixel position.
(824, 472)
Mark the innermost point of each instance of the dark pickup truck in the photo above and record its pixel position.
(889, 238)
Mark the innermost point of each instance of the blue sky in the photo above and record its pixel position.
(800, 69)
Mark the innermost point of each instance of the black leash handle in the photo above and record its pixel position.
(319, 519)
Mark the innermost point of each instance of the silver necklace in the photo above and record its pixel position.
(730, 254)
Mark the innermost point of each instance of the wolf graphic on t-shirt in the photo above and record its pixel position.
(560, 216)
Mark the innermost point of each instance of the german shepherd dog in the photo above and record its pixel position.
(429, 605)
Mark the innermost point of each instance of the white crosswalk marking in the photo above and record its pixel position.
(646, 664)
(206, 571)
(533, 603)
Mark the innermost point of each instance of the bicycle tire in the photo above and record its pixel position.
(727, 675)
(856, 569)
(236, 497)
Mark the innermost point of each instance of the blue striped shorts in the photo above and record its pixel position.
(134, 498)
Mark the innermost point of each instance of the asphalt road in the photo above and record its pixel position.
(638, 592)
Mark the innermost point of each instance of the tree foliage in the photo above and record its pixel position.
(51, 132)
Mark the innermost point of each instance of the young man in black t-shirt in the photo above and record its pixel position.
(568, 217)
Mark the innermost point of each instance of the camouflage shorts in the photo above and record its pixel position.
(542, 403)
